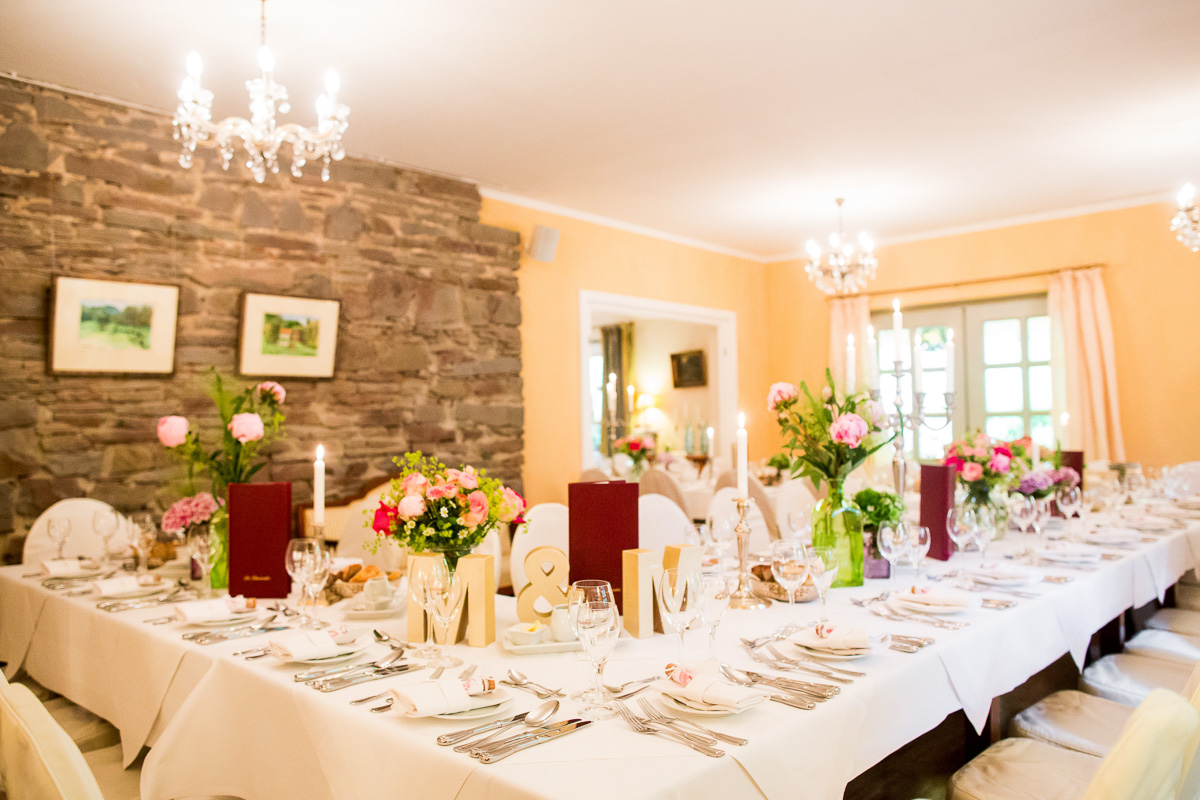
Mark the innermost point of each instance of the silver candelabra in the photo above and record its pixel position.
(914, 419)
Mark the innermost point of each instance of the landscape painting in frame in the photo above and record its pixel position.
(112, 327)
(288, 337)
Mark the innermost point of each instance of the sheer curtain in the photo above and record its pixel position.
(849, 315)
(616, 344)
(1083, 357)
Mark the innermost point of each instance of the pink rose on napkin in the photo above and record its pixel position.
(415, 483)
(680, 674)
(972, 471)
(274, 389)
(172, 431)
(479, 509)
(781, 393)
(511, 505)
(246, 427)
(411, 506)
(849, 429)
(384, 515)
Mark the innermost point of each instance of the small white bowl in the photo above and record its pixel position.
(520, 634)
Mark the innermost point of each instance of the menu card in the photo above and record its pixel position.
(260, 527)
(603, 524)
(1074, 460)
(937, 497)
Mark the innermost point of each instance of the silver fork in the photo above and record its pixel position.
(639, 726)
(654, 715)
(773, 664)
(773, 650)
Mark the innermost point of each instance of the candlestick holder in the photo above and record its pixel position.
(915, 419)
(744, 596)
(316, 530)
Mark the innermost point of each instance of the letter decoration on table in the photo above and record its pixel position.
(546, 583)
(642, 570)
(477, 620)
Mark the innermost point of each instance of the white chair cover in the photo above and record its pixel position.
(1129, 679)
(1176, 620)
(1074, 720)
(660, 482)
(491, 546)
(794, 498)
(37, 758)
(662, 522)
(546, 524)
(594, 476)
(723, 507)
(1165, 645)
(84, 540)
(356, 533)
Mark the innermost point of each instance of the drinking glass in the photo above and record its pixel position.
(893, 544)
(1136, 486)
(597, 625)
(823, 567)
(579, 595)
(198, 543)
(919, 540)
(722, 533)
(715, 591)
(105, 523)
(145, 534)
(679, 593)
(1069, 500)
(316, 575)
(984, 531)
(1023, 510)
(300, 560)
(446, 592)
(1041, 514)
(420, 575)
(800, 525)
(960, 524)
(60, 531)
(789, 566)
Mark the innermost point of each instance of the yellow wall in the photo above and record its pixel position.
(599, 258)
(1153, 286)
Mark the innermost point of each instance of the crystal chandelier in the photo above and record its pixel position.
(1186, 222)
(261, 136)
(847, 268)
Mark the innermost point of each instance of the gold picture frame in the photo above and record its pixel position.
(288, 337)
(105, 327)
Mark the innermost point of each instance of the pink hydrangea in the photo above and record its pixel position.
(780, 393)
(189, 511)
(272, 388)
(246, 427)
(172, 431)
(999, 463)
(849, 429)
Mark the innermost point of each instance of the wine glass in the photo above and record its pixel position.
(60, 531)
(446, 591)
(316, 575)
(596, 623)
(919, 539)
(960, 524)
(984, 531)
(299, 560)
(800, 524)
(198, 543)
(1023, 509)
(823, 567)
(715, 591)
(580, 594)
(145, 533)
(893, 544)
(721, 531)
(679, 593)
(420, 574)
(105, 523)
(789, 566)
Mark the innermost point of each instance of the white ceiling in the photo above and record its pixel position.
(731, 122)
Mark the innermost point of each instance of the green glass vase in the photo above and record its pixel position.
(218, 549)
(838, 524)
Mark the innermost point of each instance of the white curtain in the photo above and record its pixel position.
(1083, 357)
(849, 315)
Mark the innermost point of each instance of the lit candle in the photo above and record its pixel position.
(872, 358)
(851, 364)
(709, 434)
(611, 390)
(743, 480)
(917, 370)
(950, 360)
(897, 330)
(319, 487)
(1186, 196)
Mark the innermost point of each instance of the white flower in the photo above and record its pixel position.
(443, 512)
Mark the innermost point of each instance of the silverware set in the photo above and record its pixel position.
(176, 595)
(519, 681)
(239, 632)
(701, 744)
(774, 661)
(537, 730)
(654, 715)
(387, 706)
(882, 609)
(788, 691)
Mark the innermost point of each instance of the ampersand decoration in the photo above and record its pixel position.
(544, 583)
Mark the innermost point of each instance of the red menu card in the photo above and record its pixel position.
(260, 527)
(937, 497)
(1074, 460)
(603, 524)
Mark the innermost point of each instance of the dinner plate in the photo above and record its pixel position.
(373, 613)
(541, 648)
(1154, 525)
(140, 591)
(238, 618)
(827, 655)
(504, 701)
(1076, 557)
(675, 704)
(334, 659)
(902, 605)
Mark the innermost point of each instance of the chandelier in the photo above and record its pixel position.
(1186, 222)
(260, 136)
(846, 268)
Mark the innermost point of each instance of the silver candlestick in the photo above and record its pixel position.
(744, 597)
(914, 418)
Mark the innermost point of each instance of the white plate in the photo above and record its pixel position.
(674, 704)
(825, 655)
(540, 648)
(487, 711)
(906, 605)
(994, 579)
(336, 659)
(1072, 558)
(370, 613)
(250, 615)
(141, 591)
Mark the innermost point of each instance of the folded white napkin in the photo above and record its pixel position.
(712, 690)
(305, 645)
(443, 696)
(936, 597)
(195, 611)
(998, 572)
(1070, 552)
(823, 636)
(1149, 522)
(58, 567)
(122, 585)
(1112, 536)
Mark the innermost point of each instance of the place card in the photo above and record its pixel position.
(642, 571)
(937, 498)
(544, 583)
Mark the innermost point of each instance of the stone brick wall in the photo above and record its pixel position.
(428, 356)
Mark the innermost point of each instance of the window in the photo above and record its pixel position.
(1003, 379)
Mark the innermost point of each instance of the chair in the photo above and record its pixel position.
(1128, 679)
(661, 523)
(594, 476)
(1146, 762)
(759, 495)
(722, 507)
(794, 498)
(658, 481)
(546, 524)
(84, 541)
(1176, 620)
(1166, 645)
(37, 759)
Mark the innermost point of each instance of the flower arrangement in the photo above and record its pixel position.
(431, 506)
(641, 449)
(195, 510)
(1044, 482)
(829, 438)
(879, 508)
(251, 419)
(981, 463)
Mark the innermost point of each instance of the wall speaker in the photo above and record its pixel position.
(543, 243)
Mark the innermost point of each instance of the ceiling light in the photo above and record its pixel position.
(847, 267)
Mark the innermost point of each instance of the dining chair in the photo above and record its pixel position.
(1177, 647)
(661, 522)
(1176, 620)
(546, 524)
(658, 481)
(594, 476)
(1127, 678)
(723, 507)
(758, 494)
(794, 497)
(1146, 762)
(84, 540)
(38, 761)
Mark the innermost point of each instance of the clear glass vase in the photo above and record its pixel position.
(838, 524)
(996, 503)
(218, 549)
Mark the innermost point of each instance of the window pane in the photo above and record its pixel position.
(887, 391)
(1002, 341)
(1005, 428)
(933, 347)
(1041, 430)
(933, 443)
(1003, 389)
(887, 357)
(1041, 395)
(1039, 339)
(934, 386)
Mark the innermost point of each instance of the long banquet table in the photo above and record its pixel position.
(218, 724)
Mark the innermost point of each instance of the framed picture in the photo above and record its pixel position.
(689, 369)
(112, 327)
(288, 337)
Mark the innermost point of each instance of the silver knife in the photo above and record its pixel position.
(342, 683)
(312, 675)
(241, 634)
(458, 736)
(491, 758)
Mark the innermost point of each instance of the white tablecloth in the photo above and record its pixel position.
(221, 725)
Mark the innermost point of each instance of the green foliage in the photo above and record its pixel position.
(879, 507)
(781, 462)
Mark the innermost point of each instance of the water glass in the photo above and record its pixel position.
(800, 525)
(985, 529)
(105, 522)
(446, 591)
(318, 574)
(919, 540)
(60, 532)
(420, 575)
(723, 536)
(579, 596)
(823, 567)
(199, 543)
(715, 591)
(893, 545)
(679, 595)
(960, 524)
(1023, 509)
(599, 628)
(300, 561)
(145, 535)
(789, 566)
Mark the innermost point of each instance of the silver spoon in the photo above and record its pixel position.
(536, 718)
(389, 640)
(520, 680)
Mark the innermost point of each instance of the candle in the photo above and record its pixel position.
(950, 360)
(742, 467)
(1035, 451)
(319, 487)
(611, 390)
(897, 330)
(851, 364)
(872, 359)
(709, 434)
(917, 370)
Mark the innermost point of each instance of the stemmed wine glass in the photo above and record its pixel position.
(800, 525)
(1023, 509)
(1041, 515)
(317, 575)
(446, 591)
(581, 594)
(893, 544)
(198, 543)
(715, 591)
(145, 534)
(823, 567)
(984, 531)
(598, 629)
(60, 531)
(789, 566)
(960, 524)
(679, 592)
(723, 537)
(1069, 500)
(105, 523)
(301, 561)
(918, 547)
(420, 576)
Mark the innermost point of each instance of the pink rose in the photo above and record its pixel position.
(172, 431)
(416, 483)
(511, 505)
(441, 490)
(780, 393)
(999, 463)
(467, 478)
(246, 427)
(272, 388)
(411, 506)
(384, 515)
(972, 471)
(873, 413)
(479, 509)
(826, 393)
(849, 429)
(954, 461)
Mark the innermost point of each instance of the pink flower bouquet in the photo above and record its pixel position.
(982, 464)
(195, 510)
